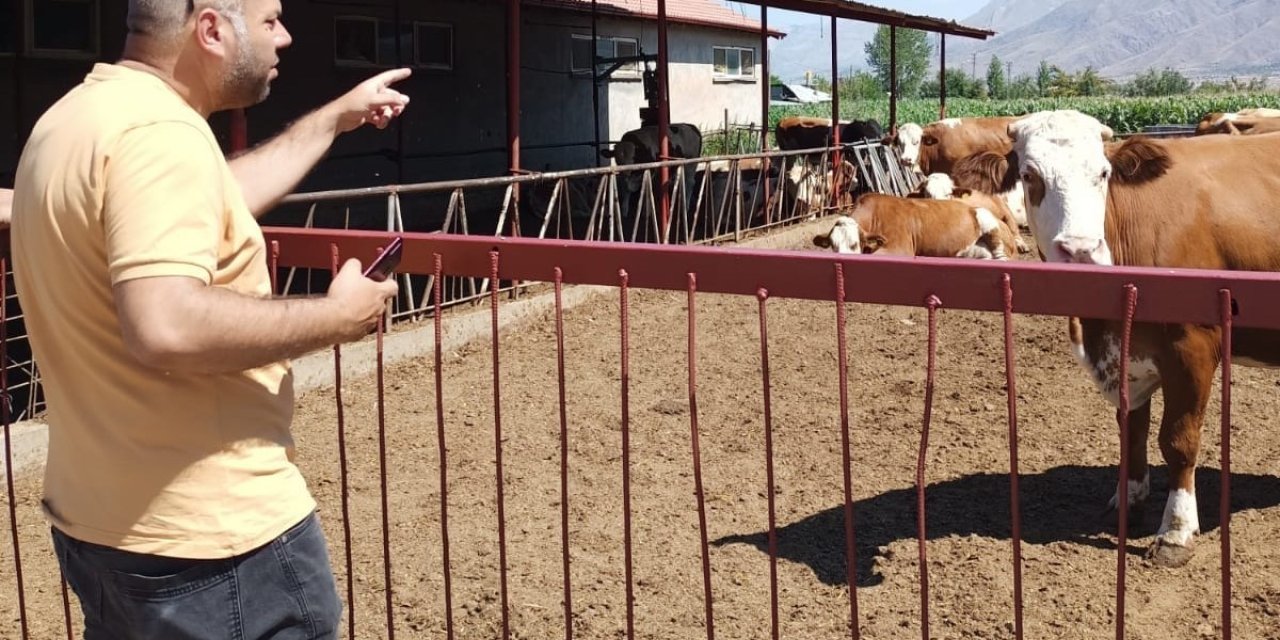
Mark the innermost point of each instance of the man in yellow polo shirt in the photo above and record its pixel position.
(176, 508)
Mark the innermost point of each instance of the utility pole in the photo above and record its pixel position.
(973, 69)
(1008, 74)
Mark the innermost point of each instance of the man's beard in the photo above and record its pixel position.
(247, 83)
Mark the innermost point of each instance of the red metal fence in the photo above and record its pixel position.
(1129, 295)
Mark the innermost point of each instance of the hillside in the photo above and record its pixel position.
(1120, 38)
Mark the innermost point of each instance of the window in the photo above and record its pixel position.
(606, 47)
(59, 28)
(8, 27)
(433, 45)
(360, 41)
(733, 63)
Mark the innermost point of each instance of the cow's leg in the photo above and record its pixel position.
(1097, 347)
(1187, 372)
(1139, 481)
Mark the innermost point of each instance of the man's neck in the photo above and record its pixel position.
(139, 57)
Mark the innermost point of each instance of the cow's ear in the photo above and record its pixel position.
(960, 192)
(606, 153)
(823, 241)
(890, 139)
(873, 243)
(1107, 133)
(1138, 160)
(928, 140)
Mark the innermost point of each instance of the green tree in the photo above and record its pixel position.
(1089, 83)
(1166, 82)
(1022, 87)
(959, 85)
(861, 85)
(1062, 84)
(995, 78)
(913, 54)
(1044, 78)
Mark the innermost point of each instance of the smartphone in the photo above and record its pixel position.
(381, 267)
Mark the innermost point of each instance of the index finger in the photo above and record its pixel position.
(387, 78)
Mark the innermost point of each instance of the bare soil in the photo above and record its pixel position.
(1068, 448)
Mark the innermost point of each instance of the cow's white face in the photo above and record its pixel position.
(844, 237)
(909, 137)
(1065, 171)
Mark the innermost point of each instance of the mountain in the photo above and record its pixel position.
(807, 47)
(1203, 39)
(1006, 15)
(1121, 38)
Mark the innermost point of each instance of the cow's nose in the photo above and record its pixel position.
(1079, 249)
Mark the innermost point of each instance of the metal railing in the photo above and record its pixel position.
(1129, 295)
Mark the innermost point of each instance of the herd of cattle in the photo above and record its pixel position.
(1206, 201)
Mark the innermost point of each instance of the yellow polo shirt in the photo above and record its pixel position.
(122, 179)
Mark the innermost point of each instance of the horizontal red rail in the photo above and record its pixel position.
(1168, 295)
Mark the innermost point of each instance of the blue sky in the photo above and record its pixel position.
(948, 9)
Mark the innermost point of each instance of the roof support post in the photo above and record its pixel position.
(835, 113)
(893, 78)
(942, 78)
(664, 119)
(513, 108)
(400, 62)
(595, 82)
(765, 88)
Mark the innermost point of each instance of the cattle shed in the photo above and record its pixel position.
(499, 86)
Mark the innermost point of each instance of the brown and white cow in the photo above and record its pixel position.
(937, 146)
(1239, 122)
(1155, 203)
(940, 186)
(889, 225)
(941, 146)
(985, 172)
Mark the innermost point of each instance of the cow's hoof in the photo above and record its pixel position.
(1167, 554)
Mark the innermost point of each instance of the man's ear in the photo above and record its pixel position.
(209, 31)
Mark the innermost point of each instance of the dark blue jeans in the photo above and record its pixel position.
(283, 590)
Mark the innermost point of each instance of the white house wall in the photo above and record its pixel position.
(557, 104)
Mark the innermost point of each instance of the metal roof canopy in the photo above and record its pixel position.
(879, 15)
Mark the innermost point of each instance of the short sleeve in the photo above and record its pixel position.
(164, 203)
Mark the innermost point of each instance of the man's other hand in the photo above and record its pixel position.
(360, 300)
(371, 102)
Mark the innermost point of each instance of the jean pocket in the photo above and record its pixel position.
(154, 578)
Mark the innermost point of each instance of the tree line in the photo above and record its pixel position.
(1049, 81)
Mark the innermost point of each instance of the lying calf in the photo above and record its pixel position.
(890, 225)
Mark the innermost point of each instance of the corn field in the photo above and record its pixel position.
(1122, 114)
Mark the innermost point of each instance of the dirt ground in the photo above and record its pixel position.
(1067, 443)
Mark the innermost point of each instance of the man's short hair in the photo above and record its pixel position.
(165, 18)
